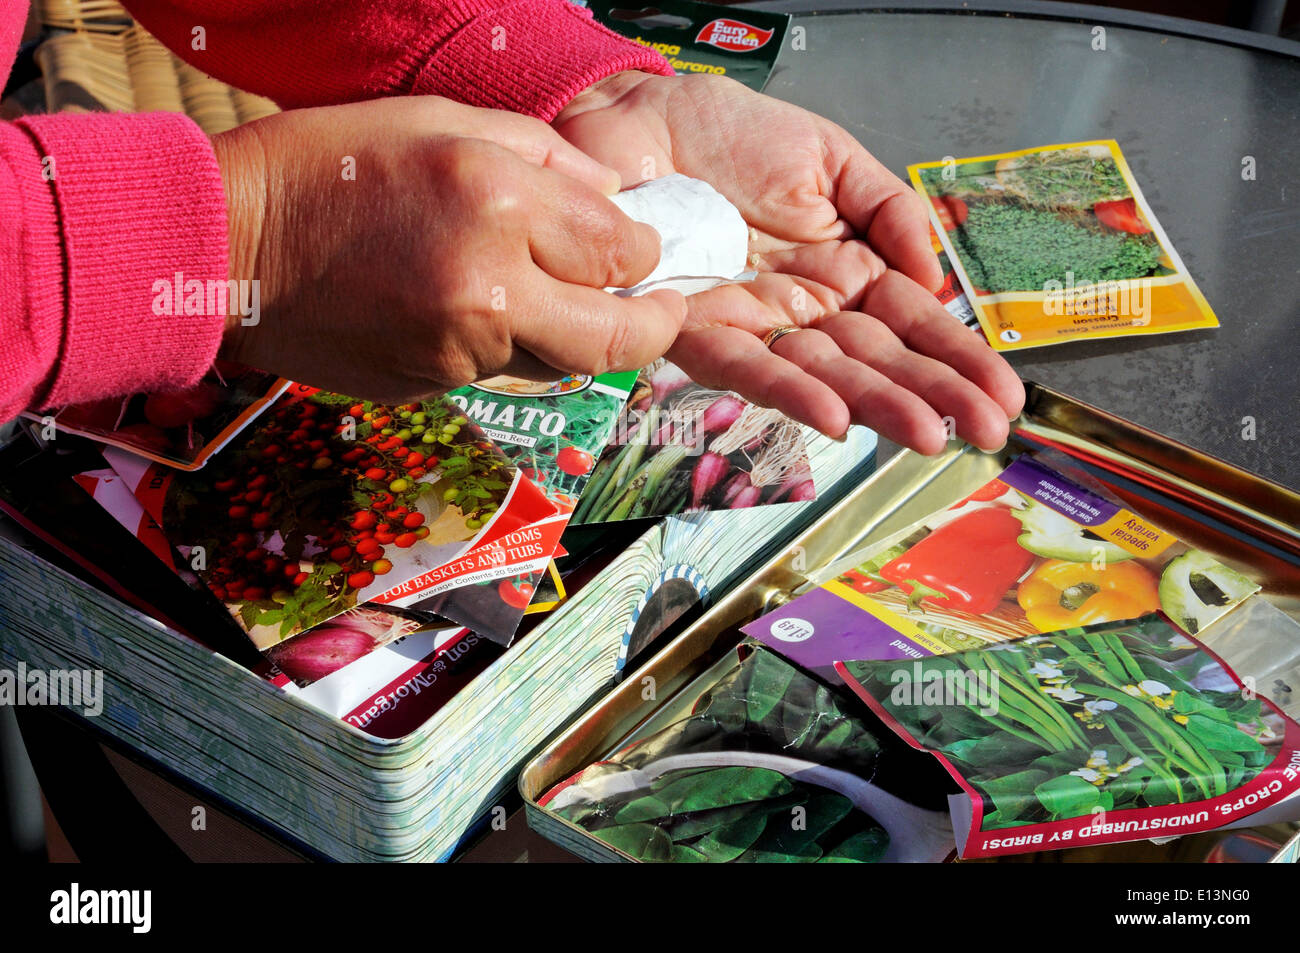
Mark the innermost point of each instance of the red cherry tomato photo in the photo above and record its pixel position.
(951, 211)
(515, 595)
(573, 461)
(1121, 215)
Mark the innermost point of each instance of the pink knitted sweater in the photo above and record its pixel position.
(94, 209)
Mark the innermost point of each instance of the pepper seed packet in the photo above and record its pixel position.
(1031, 551)
(1056, 244)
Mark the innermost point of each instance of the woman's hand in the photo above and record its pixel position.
(408, 246)
(835, 234)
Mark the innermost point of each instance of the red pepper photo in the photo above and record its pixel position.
(967, 564)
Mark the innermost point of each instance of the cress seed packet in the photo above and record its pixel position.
(1056, 244)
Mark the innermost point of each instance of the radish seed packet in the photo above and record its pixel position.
(680, 447)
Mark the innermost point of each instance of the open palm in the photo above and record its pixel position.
(843, 250)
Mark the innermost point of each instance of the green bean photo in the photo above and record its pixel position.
(1109, 717)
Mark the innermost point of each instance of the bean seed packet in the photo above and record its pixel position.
(1088, 736)
(769, 766)
(1031, 551)
(329, 502)
(680, 447)
(181, 429)
(552, 433)
(1057, 244)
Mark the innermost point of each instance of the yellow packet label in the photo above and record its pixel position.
(1135, 535)
(1057, 243)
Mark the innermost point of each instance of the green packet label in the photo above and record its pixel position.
(701, 37)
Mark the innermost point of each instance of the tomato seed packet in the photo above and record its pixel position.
(1057, 243)
(552, 432)
(182, 429)
(329, 502)
(1092, 735)
(302, 659)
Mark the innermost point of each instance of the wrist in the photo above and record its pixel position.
(602, 93)
(243, 175)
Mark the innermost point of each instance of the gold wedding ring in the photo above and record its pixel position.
(771, 337)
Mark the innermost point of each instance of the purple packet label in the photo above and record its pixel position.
(819, 629)
(1058, 493)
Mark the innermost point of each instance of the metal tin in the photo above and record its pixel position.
(1244, 520)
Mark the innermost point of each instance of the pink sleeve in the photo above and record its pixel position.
(95, 210)
(527, 56)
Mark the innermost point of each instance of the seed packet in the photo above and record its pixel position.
(552, 432)
(1031, 551)
(680, 447)
(317, 509)
(1056, 244)
(181, 429)
(701, 37)
(1093, 735)
(395, 688)
(301, 660)
(769, 766)
(950, 294)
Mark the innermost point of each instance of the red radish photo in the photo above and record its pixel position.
(331, 645)
(682, 447)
